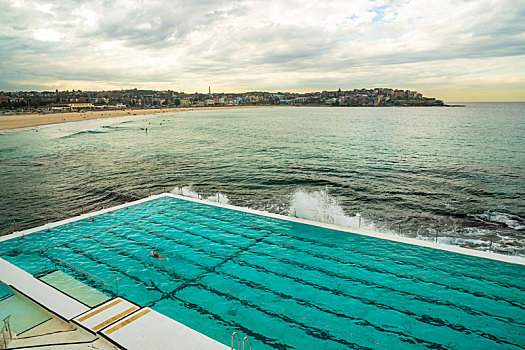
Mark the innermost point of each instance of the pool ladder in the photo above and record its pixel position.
(7, 334)
(234, 334)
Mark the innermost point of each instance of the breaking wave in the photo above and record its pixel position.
(320, 206)
(499, 218)
(98, 130)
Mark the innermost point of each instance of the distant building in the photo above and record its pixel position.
(399, 94)
(80, 105)
(74, 106)
(148, 100)
(300, 100)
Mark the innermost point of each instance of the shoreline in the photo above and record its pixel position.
(24, 121)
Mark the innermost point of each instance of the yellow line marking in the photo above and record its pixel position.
(105, 307)
(128, 321)
(114, 318)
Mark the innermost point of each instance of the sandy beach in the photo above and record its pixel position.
(20, 121)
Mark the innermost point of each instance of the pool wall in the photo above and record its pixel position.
(407, 240)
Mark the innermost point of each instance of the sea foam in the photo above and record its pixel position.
(320, 206)
(499, 218)
(188, 191)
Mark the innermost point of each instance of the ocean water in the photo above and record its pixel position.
(454, 173)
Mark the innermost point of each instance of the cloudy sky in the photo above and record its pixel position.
(456, 50)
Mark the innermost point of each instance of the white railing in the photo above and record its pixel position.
(59, 262)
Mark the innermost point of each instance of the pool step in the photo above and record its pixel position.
(74, 288)
(106, 314)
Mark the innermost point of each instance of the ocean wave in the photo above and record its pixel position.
(98, 130)
(320, 206)
(22, 164)
(500, 218)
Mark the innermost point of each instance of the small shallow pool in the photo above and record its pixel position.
(23, 315)
(284, 284)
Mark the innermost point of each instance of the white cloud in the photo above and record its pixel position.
(263, 45)
(46, 34)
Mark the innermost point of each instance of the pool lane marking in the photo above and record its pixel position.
(105, 307)
(114, 318)
(322, 244)
(126, 322)
(418, 317)
(332, 274)
(354, 264)
(288, 262)
(289, 277)
(101, 230)
(186, 244)
(166, 252)
(318, 333)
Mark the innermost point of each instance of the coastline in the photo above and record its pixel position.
(24, 121)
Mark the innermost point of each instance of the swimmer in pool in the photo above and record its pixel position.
(156, 256)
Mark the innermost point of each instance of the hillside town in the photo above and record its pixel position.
(77, 100)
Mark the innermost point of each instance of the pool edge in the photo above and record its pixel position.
(512, 259)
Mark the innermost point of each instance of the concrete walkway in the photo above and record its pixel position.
(148, 329)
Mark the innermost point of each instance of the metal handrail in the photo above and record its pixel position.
(249, 342)
(234, 334)
(7, 336)
(238, 339)
(75, 269)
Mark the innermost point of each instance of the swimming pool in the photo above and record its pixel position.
(287, 285)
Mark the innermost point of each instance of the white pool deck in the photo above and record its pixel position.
(140, 329)
(131, 327)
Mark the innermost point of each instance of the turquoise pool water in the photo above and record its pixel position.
(288, 285)
(74, 288)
